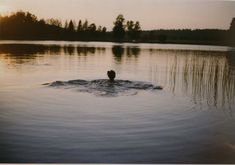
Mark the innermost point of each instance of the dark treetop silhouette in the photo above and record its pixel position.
(232, 32)
(25, 26)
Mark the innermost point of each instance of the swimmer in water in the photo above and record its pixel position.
(111, 74)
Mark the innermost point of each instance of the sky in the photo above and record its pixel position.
(152, 14)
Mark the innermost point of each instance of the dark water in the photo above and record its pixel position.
(191, 120)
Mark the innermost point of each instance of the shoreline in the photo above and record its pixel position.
(130, 42)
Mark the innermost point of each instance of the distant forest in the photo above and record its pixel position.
(26, 26)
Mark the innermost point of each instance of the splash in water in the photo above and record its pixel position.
(105, 87)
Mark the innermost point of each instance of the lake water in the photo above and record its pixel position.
(191, 120)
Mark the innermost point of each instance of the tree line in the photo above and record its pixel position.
(26, 26)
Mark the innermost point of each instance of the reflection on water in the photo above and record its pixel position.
(203, 75)
(190, 121)
(118, 52)
(27, 49)
(231, 59)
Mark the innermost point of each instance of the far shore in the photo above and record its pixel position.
(133, 42)
(29, 27)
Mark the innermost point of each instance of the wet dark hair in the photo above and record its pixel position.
(111, 74)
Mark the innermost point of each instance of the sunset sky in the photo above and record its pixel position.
(152, 14)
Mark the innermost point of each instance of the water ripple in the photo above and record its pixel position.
(104, 87)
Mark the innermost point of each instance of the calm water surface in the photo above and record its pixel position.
(190, 121)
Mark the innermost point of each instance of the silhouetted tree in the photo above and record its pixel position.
(54, 22)
(66, 25)
(130, 28)
(99, 29)
(119, 28)
(92, 27)
(79, 28)
(85, 25)
(42, 22)
(232, 25)
(232, 32)
(130, 25)
(133, 30)
(137, 30)
(71, 26)
(104, 29)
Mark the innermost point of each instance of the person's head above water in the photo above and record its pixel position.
(111, 74)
